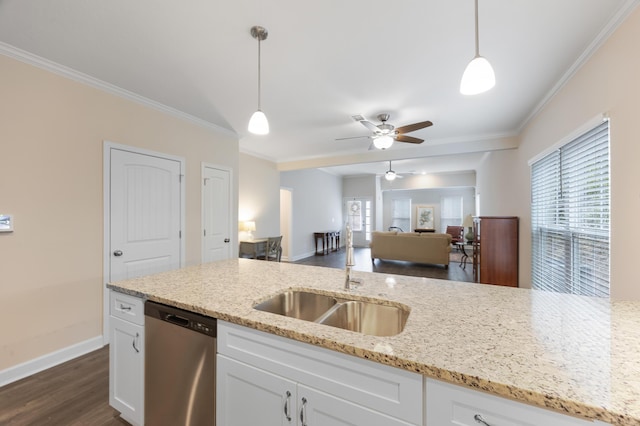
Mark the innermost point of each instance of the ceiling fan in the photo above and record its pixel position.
(391, 175)
(384, 134)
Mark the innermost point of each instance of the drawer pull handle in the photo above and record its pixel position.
(286, 406)
(478, 418)
(135, 340)
(303, 412)
(125, 308)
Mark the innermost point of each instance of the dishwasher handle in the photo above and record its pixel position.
(181, 318)
(177, 319)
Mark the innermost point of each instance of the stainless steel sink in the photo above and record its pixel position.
(367, 318)
(298, 304)
(372, 318)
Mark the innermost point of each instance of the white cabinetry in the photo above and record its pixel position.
(270, 380)
(126, 356)
(448, 404)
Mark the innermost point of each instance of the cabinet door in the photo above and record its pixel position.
(317, 408)
(126, 370)
(499, 251)
(452, 405)
(247, 395)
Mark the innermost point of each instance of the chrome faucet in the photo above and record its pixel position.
(350, 262)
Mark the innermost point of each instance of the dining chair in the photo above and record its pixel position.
(273, 249)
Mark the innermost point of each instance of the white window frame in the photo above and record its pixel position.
(570, 215)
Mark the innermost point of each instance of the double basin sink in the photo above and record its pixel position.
(366, 317)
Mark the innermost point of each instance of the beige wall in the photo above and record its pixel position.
(608, 83)
(51, 148)
(259, 195)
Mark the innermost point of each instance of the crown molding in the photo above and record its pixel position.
(616, 20)
(70, 73)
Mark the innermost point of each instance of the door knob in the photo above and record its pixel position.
(117, 253)
(226, 240)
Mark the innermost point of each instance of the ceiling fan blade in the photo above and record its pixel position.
(413, 127)
(353, 137)
(369, 125)
(410, 139)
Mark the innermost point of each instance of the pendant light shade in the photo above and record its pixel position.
(258, 124)
(478, 77)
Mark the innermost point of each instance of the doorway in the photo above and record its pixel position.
(286, 196)
(359, 218)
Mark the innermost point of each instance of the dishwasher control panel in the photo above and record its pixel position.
(196, 322)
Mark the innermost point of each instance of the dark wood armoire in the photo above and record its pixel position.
(495, 250)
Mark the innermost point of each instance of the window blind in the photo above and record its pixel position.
(450, 211)
(401, 214)
(570, 213)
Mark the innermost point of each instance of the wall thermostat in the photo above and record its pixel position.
(6, 223)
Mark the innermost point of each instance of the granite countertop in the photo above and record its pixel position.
(573, 354)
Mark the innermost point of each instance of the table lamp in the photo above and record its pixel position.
(250, 226)
(468, 223)
(247, 226)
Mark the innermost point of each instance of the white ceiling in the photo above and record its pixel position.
(324, 62)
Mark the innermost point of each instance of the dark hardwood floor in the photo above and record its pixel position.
(362, 256)
(76, 393)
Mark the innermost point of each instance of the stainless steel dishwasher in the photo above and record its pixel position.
(180, 378)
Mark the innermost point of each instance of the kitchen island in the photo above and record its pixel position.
(571, 354)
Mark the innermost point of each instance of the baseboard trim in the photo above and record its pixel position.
(302, 256)
(52, 359)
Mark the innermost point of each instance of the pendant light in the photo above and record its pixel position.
(258, 123)
(478, 77)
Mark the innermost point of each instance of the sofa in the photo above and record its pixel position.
(411, 246)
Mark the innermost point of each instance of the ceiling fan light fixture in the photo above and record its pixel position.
(478, 76)
(390, 175)
(258, 124)
(383, 141)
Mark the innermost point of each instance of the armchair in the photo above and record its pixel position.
(456, 233)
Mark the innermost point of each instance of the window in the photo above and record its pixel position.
(401, 214)
(570, 216)
(450, 211)
(367, 220)
(355, 214)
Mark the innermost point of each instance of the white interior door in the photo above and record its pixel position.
(216, 214)
(359, 216)
(144, 215)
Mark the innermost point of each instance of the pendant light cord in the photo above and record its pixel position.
(259, 61)
(477, 33)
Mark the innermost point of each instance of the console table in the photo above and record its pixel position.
(252, 248)
(330, 241)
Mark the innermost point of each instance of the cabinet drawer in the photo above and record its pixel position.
(455, 405)
(128, 308)
(392, 391)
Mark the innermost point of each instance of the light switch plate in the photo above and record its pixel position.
(6, 223)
